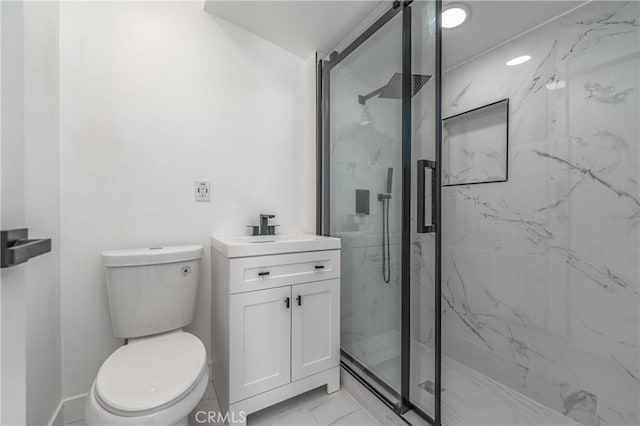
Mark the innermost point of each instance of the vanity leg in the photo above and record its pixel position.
(333, 385)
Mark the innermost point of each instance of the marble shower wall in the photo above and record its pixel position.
(540, 273)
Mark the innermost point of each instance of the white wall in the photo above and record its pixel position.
(306, 170)
(152, 97)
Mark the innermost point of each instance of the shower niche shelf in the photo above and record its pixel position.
(475, 146)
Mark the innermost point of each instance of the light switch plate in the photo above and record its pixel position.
(202, 191)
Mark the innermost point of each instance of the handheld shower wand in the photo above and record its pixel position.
(386, 256)
(389, 179)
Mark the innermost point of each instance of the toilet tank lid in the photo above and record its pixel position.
(151, 255)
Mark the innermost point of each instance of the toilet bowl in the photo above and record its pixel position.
(160, 374)
(155, 380)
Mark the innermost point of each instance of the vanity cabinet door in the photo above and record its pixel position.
(260, 336)
(315, 327)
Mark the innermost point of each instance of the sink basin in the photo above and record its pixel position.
(261, 245)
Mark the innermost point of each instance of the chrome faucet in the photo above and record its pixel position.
(265, 229)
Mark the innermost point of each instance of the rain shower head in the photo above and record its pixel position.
(393, 89)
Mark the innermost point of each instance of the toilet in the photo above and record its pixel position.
(160, 374)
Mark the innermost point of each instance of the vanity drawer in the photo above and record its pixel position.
(254, 273)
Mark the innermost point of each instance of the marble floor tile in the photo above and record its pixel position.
(314, 408)
(208, 403)
(294, 408)
(294, 418)
(328, 412)
(356, 418)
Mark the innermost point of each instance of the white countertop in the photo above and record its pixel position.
(261, 245)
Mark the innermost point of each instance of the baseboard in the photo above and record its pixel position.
(69, 410)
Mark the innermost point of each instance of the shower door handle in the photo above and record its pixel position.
(423, 227)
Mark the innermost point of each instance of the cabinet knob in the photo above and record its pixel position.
(319, 266)
(263, 274)
(286, 302)
(299, 299)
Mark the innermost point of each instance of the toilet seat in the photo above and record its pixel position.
(150, 374)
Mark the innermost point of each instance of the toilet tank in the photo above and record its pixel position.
(152, 290)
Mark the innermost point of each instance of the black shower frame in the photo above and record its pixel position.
(323, 202)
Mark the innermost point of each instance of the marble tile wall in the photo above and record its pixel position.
(540, 273)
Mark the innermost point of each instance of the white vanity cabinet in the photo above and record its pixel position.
(276, 324)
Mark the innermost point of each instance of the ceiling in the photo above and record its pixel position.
(303, 27)
(300, 27)
(493, 22)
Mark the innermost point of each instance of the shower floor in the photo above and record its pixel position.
(468, 397)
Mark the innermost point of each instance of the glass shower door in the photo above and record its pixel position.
(364, 201)
(380, 179)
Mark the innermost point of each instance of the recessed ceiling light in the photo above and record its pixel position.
(454, 15)
(519, 60)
